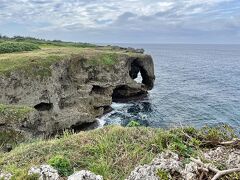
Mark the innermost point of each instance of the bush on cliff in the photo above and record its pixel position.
(10, 47)
(61, 164)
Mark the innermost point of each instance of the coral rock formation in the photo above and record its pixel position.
(77, 89)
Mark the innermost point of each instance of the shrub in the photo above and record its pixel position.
(62, 165)
(133, 124)
(162, 174)
(10, 47)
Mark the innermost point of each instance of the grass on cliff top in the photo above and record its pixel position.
(38, 62)
(112, 151)
(34, 57)
(10, 113)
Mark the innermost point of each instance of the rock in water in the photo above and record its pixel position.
(45, 172)
(85, 175)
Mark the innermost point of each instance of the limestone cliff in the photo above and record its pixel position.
(71, 90)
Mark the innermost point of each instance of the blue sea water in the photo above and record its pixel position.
(195, 85)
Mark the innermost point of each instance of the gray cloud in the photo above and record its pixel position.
(173, 18)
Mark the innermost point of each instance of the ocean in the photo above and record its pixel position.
(195, 85)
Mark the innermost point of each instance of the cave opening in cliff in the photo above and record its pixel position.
(138, 73)
(84, 126)
(124, 93)
(139, 78)
(98, 90)
(43, 106)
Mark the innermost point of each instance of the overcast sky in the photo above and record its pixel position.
(124, 21)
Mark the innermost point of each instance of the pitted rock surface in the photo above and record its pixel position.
(76, 92)
(45, 172)
(84, 175)
(5, 176)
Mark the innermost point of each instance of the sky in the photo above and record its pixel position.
(124, 21)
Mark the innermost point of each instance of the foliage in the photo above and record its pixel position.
(106, 59)
(10, 47)
(133, 123)
(32, 177)
(11, 113)
(9, 139)
(38, 63)
(163, 175)
(44, 42)
(35, 65)
(112, 151)
(179, 146)
(18, 174)
(233, 176)
(217, 133)
(62, 164)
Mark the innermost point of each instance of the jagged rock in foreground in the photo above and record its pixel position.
(230, 157)
(44, 172)
(67, 88)
(85, 175)
(5, 176)
(169, 165)
(166, 161)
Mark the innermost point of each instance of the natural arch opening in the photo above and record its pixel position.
(139, 73)
(139, 78)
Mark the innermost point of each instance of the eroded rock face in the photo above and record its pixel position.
(76, 92)
(45, 172)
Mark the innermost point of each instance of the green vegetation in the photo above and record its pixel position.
(10, 47)
(112, 151)
(9, 139)
(133, 123)
(38, 63)
(16, 56)
(33, 57)
(61, 164)
(107, 59)
(163, 175)
(44, 42)
(30, 65)
(12, 113)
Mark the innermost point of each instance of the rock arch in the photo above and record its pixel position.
(145, 68)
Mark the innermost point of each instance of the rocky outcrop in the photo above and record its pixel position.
(164, 164)
(84, 175)
(74, 92)
(5, 176)
(169, 165)
(44, 172)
